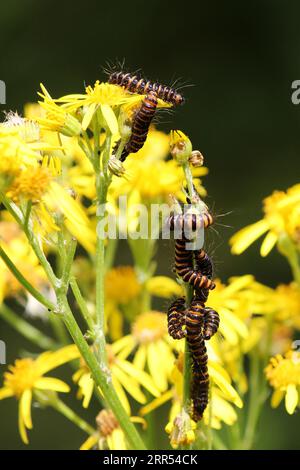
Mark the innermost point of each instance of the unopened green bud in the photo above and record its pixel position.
(71, 126)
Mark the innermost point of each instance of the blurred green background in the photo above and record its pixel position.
(241, 58)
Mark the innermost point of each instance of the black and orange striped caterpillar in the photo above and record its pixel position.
(200, 322)
(184, 266)
(189, 264)
(137, 84)
(140, 125)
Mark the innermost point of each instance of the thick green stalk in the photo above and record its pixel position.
(102, 184)
(27, 330)
(101, 377)
(98, 362)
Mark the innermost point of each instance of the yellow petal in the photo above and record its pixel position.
(86, 385)
(238, 283)
(140, 376)
(22, 429)
(139, 420)
(268, 243)
(5, 393)
(291, 398)
(116, 440)
(223, 410)
(123, 343)
(130, 385)
(156, 403)
(50, 383)
(88, 116)
(163, 286)
(276, 398)
(245, 237)
(225, 386)
(50, 360)
(156, 368)
(234, 322)
(25, 408)
(121, 394)
(90, 442)
(140, 357)
(110, 118)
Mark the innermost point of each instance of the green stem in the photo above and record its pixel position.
(254, 402)
(97, 362)
(62, 408)
(29, 332)
(41, 257)
(189, 179)
(58, 405)
(18, 275)
(70, 253)
(101, 377)
(27, 214)
(288, 249)
(101, 190)
(81, 304)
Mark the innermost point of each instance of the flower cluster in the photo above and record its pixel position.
(61, 177)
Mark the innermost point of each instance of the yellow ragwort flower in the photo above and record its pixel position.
(283, 373)
(27, 375)
(149, 340)
(103, 97)
(30, 185)
(56, 118)
(122, 285)
(281, 217)
(125, 377)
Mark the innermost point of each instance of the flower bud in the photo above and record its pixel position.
(180, 146)
(71, 126)
(196, 159)
(181, 431)
(115, 166)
